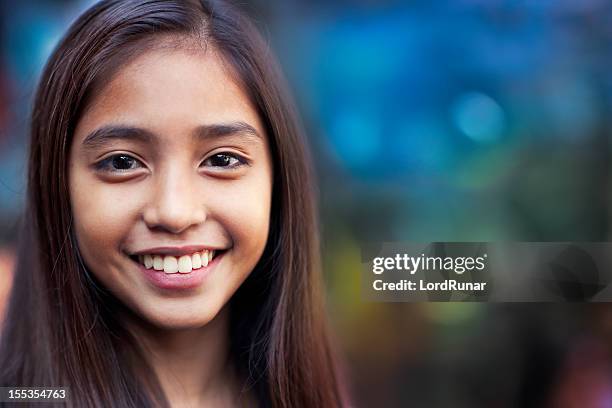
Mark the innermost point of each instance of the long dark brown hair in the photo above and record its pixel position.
(60, 328)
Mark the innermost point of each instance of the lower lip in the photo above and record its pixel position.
(180, 281)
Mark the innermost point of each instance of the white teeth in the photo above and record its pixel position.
(196, 261)
(184, 264)
(170, 264)
(158, 263)
(148, 261)
(205, 257)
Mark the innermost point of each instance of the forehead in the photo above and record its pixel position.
(170, 91)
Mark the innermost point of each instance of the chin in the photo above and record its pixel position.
(181, 318)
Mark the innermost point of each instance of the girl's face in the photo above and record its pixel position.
(169, 163)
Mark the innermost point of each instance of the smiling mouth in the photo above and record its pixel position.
(170, 264)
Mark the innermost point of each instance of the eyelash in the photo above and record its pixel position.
(103, 165)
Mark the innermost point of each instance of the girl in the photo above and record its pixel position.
(169, 254)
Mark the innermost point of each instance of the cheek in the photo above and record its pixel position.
(101, 219)
(248, 216)
(244, 211)
(247, 222)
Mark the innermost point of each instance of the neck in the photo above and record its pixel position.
(193, 365)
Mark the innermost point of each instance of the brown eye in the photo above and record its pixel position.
(118, 163)
(224, 160)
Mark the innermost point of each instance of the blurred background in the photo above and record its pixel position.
(465, 120)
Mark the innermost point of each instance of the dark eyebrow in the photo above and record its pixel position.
(226, 129)
(103, 135)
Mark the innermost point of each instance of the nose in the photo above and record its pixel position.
(175, 204)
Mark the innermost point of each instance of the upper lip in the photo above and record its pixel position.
(176, 251)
